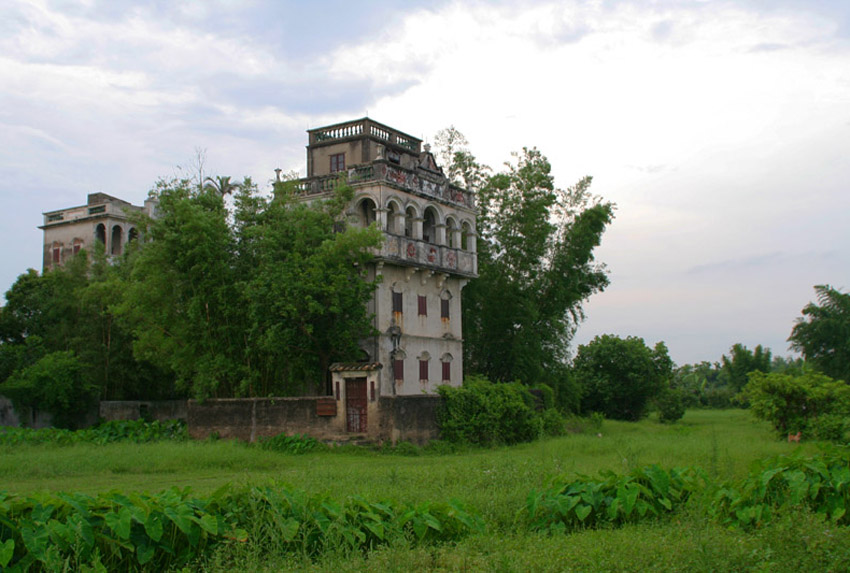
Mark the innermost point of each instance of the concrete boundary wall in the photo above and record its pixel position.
(141, 409)
(400, 418)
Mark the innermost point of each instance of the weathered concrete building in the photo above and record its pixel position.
(427, 257)
(428, 254)
(103, 218)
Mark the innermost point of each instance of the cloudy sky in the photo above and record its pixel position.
(720, 129)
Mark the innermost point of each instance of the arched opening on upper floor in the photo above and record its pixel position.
(100, 233)
(429, 225)
(393, 216)
(452, 239)
(366, 212)
(467, 237)
(409, 218)
(117, 238)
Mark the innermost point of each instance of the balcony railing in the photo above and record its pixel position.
(384, 172)
(440, 258)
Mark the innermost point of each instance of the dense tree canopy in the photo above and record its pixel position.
(621, 375)
(257, 307)
(741, 362)
(536, 268)
(822, 334)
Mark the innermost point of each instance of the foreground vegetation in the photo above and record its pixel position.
(507, 490)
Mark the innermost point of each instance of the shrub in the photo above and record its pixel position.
(671, 405)
(484, 413)
(829, 427)
(54, 384)
(621, 375)
(790, 403)
(554, 423)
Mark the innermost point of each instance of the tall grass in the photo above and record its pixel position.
(492, 483)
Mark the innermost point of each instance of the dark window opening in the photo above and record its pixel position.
(398, 370)
(337, 162)
(397, 301)
(423, 306)
(447, 371)
(409, 215)
(444, 308)
(100, 233)
(423, 370)
(116, 240)
(57, 253)
(429, 226)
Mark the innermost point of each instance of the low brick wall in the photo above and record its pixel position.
(409, 418)
(251, 418)
(150, 410)
(400, 418)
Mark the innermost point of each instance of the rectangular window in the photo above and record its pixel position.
(57, 252)
(337, 162)
(447, 371)
(397, 300)
(423, 370)
(398, 370)
(372, 389)
(423, 306)
(77, 248)
(444, 308)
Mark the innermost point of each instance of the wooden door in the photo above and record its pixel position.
(355, 404)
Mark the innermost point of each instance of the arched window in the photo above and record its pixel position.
(451, 230)
(117, 236)
(392, 216)
(467, 238)
(100, 233)
(429, 226)
(409, 216)
(366, 212)
(446, 363)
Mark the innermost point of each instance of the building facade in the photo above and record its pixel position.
(103, 218)
(427, 257)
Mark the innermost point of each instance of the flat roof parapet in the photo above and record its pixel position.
(364, 128)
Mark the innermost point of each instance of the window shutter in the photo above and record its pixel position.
(423, 306)
(397, 302)
(423, 370)
(444, 308)
(398, 369)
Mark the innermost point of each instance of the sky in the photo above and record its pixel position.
(721, 130)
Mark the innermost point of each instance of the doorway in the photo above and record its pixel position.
(355, 404)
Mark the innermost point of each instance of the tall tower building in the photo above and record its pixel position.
(427, 256)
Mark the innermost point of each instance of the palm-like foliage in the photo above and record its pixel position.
(822, 334)
(221, 184)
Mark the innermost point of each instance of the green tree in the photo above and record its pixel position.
(620, 376)
(257, 307)
(536, 268)
(742, 362)
(55, 384)
(793, 403)
(822, 334)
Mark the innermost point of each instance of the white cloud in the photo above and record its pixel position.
(718, 129)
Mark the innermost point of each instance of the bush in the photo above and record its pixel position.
(554, 423)
(621, 375)
(671, 406)
(54, 384)
(829, 427)
(481, 412)
(791, 403)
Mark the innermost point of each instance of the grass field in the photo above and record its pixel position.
(494, 483)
